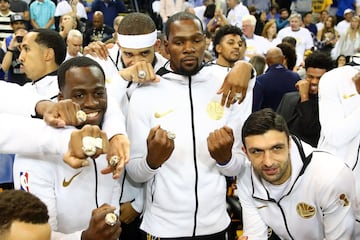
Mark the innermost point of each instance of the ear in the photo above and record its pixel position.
(166, 45)
(244, 150)
(60, 96)
(49, 54)
(157, 45)
(218, 48)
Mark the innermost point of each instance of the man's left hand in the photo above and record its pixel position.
(128, 213)
(120, 147)
(220, 143)
(236, 84)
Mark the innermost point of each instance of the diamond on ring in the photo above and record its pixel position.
(110, 219)
(171, 135)
(141, 74)
(90, 144)
(81, 116)
(237, 96)
(114, 160)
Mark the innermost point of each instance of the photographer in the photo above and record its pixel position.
(11, 62)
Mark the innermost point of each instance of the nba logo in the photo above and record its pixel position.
(24, 181)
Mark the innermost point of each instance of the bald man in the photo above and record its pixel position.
(98, 31)
(274, 83)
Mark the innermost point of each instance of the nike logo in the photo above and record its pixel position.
(349, 96)
(162, 114)
(67, 183)
(260, 207)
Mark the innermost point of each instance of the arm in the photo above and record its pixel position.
(337, 199)
(7, 60)
(236, 81)
(253, 225)
(339, 127)
(50, 23)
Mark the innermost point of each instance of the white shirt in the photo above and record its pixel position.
(236, 14)
(64, 7)
(303, 38)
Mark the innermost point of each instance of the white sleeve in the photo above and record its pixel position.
(114, 120)
(25, 135)
(240, 112)
(18, 100)
(338, 127)
(253, 225)
(63, 236)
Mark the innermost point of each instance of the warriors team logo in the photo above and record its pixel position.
(305, 210)
(24, 181)
(343, 200)
(215, 110)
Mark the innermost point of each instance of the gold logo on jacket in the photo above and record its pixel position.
(162, 114)
(305, 210)
(215, 110)
(67, 183)
(344, 201)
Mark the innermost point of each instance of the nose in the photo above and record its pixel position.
(90, 101)
(22, 56)
(189, 47)
(267, 159)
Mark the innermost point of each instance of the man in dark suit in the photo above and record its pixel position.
(300, 109)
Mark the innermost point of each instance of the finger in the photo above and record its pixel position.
(151, 72)
(228, 130)
(153, 132)
(75, 162)
(243, 95)
(54, 121)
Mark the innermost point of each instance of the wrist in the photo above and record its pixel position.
(10, 50)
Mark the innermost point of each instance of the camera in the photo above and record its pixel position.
(19, 38)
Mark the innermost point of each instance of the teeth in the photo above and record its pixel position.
(91, 115)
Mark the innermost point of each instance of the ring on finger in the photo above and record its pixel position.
(170, 135)
(111, 219)
(141, 74)
(237, 96)
(81, 116)
(114, 160)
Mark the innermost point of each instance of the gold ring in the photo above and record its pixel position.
(141, 74)
(81, 116)
(171, 135)
(237, 96)
(114, 160)
(111, 219)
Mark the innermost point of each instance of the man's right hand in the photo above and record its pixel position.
(60, 113)
(131, 73)
(98, 229)
(75, 156)
(160, 147)
(97, 49)
(303, 86)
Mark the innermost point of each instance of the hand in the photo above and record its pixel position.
(356, 80)
(236, 81)
(59, 114)
(13, 43)
(220, 143)
(120, 147)
(131, 73)
(160, 147)
(242, 238)
(98, 229)
(75, 156)
(303, 86)
(128, 213)
(97, 49)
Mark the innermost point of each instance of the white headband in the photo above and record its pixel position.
(137, 41)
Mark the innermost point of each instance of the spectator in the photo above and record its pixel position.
(74, 43)
(236, 12)
(42, 14)
(98, 31)
(327, 36)
(271, 86)
(110, 9)
(270, 32)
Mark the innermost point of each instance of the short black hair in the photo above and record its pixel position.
(76, 62)
(17, 205)
(222, 31)
(180, 16)
(319, 60)
(262, 121)
(52, 39)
